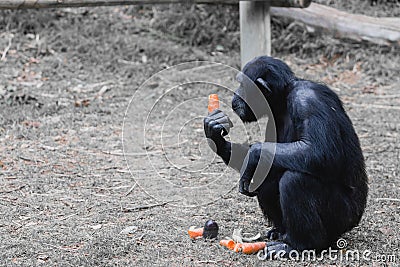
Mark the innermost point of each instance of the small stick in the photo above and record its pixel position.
(29, 159)
(385, 96)
(208, 261)
(12, 190)
(145, 207)
(130, 190)
(374, 106)
(3, 56)
(387, 199)
(122, 171)
(132, 154)
(68, 216)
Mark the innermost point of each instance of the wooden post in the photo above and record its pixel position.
(255, 30)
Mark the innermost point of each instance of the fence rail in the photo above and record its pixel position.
(255, 17)
(21, 4)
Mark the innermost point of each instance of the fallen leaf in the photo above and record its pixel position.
(129, 230)
(96, 227)
(251, 239)
(237, 235)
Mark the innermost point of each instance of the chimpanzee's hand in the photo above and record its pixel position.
(217, 125)
(248, 168)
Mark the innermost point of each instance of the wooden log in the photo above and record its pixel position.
(255, 30)
(382, 31)
(21, 4)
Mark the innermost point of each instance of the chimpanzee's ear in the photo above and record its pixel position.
(264, 84)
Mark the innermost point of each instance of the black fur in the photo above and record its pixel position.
(317, 187)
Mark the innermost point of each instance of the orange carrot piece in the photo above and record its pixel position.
(195, 232)
(228, 243)
(249, 248)
(213, 102)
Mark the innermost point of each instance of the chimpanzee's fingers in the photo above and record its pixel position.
(211, 125)
(216, 114)
(224, 121)
(230, 122)
(220, 116)
(215, 128)
(207, 126)
(252, 194)
(244, 188)
(226, 129)
(241, 186)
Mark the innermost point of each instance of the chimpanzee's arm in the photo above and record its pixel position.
(317, 151)
(216, 125)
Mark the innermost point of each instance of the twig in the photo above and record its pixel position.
(374, 106)
(144, 207)
(68, 216)
(103, 89)
(109, 168)
(3, 56)
(385, 96)
(132, 154)
(208, 261)
(387, 199)
(12, 190)
(106, 188)
(135, 63)
(29, 159)
(10, 177)
(130, 189)
(122, 171)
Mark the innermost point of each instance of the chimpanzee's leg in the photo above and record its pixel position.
(303, 201)
(315, 212)
(268, 199)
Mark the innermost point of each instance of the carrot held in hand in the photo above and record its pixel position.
(195, 232)
(249, 248)
(228, 243)
(213, 102)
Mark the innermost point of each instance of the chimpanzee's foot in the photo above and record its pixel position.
(274, 234)
(277, 249)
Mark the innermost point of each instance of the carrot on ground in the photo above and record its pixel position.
(195, 232)
(229, 243)
(249, 248)
(213, 102)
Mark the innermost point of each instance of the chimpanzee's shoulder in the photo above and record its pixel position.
(303, 91)
(306, 98)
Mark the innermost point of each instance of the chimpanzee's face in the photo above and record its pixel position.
(248, 102)
(263, 80)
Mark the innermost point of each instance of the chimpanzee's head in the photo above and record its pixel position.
(262, 82)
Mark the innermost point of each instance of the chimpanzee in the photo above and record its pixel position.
(316, 188)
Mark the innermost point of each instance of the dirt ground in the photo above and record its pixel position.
(67, 77)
